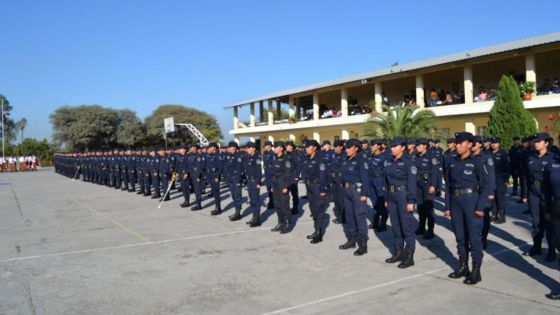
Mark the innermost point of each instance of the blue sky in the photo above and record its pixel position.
(208, 54)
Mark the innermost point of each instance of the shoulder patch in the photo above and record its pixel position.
(288, 164)
(322, 167)
(434, 161)
(366, 166)
(239, 159)
(490, 161)
(413, 170)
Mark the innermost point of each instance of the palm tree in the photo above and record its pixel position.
(407, 121)
(21, 124)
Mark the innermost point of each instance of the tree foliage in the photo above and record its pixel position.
(508, 117)
(9, 126)
(204, 122)
(41, 149)
(407, 121)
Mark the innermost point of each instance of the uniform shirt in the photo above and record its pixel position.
(376, 163)
(501, 165)
(401, 172)
(213, 166)
(252, 167)
(282, 171)
(326, 157)
(487, 158)
(336, 166)
(355, 171)
(296, 162)
(196, 164)
(536, 166)
(181, 164)
(315, 170)
(427, 167)
(551, 183)
(469, 172)
(232, 167)
(268, 159)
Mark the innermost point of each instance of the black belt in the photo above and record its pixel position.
(312, 181)
(536, 183)
(463, 191)
(376, 175)
(397, 188)
(424, 176)
(352, 185)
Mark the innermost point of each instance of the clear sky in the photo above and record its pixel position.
(208, 54)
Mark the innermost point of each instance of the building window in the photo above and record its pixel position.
(481, 130)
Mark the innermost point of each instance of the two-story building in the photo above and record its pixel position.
(459, 88)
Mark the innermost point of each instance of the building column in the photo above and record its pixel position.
(298, 109)
(468, 77)
(345, 134)
(252, 115)
(530, 70)
(292, 110)
(315, 106)
(270, 113)
(344, 102)
(378, 97)
(420, 100)
(292, 137)
(235, 117)
(261, 110)
(278, 109)
(271, 138)
(470, 127)
(252, 139)
(236, 139)
(316, 136)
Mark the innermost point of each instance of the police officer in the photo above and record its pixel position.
(155, 169)
(551, 182)
(466, 196)
(213, 167)
(268, 158)
(314, 175)
(502, 171)
(336, 181)
(140, 162)
(183, 175)
(283, 172)
(166, 167)
(356, 191)
(252, 167)
(232, 170)
(487, 158)
(427, 181)
(540, 159)
(400, 195)
(326, 154)
(131, 167)
(196, 163)
(514, 158)
(147, 166)
(296, 162)
(376, 160)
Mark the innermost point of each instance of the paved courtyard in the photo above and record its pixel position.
(69, 247)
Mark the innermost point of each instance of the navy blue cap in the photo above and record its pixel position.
(279, 144)
(339, 143)
(377, 141)
(436, 140)
(233, 144)
(477, 139)
(398, 141)
(365, 141)
(450, 140)
(485, 139)
(250, 145)
(326, 142)
(290, 142)
(422, 141)
(353, 142)
(541, 136)
(268, 143)
(462, 136)
(495, 140)
(313, 143)
(524, 139)
(213, 145)
(410, 141)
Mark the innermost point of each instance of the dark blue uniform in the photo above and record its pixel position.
(214, 167)
(268, 159)
(283, 172)
(294, 191)
(314, 175)
(376, 194)
(428, 176)
(336, 186)
(551, 185)
(196, 164)
(232, 169)
(502, 173)
(252, 168)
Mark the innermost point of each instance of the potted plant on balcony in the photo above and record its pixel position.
(291, 120)
(527, 89)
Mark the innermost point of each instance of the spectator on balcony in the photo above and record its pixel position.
(482, 95)
(545, 88)
(434, 98)
(491, 94)
(448, 98)
(556, 85)
(385, 99)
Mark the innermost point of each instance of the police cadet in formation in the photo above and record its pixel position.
(502, 172)
(466, 197)
(296, 162)
(551, 184)
(141, 159)
(196, 163)
(252, 168)
(376, 159)
(214, 167)
(232, 169)
(400, 195)
(183, 176)
(337, 189)
(283, 174)
(327, 157)
(132, 163)
(487, 158)
(427, 180)
(523, 155)
(314, 174)
(356, 191)
(268, 158)
(514, 154)
(155, 171)
(537, 162)
(124, 156)
(148, 164)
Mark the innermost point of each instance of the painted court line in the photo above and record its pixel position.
(377, 286)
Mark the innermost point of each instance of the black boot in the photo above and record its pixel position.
(251, 221)
(276, 228)
(535, 250)
(197, 207)
(463, 270)
(295, 210)
(553, 295)
(237, 215)
(551, 256)
(382, 225)
(167, 198)
(256, 222)
(421, 230)
(312, 236)
(429, 234)
(362, 248)
(286, 226)
(408, 260)
(398, 255)
(217, 210)
(351, 243)
(474, 277)
(375, 224)
(140, 192)
(184, 204)
(318, 238)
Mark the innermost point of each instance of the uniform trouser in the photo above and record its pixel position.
(281, 202)
(132, 178)
(197, 187)
(556, 223)
(164, 178)
(184, 185)
(116, 179)
(147, 182)
(499, 202)
(214, 183)
(254, 197)
(522, 186)
(317, 205)
(124, 177)
(140, 176)
(377, 197)
(294, 191)
(403, 222)
(337, 193)
(112, 178)
(516, 179)
(467, 226)
(235, 190)
(425, 204)
(268, 179)
(486, 224)
(355, 214)
(540, 225)
(156, 183)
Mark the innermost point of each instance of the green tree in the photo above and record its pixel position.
(204, 122)
(20, 126)
(407, 121)
(9, 124)
(508, 117)
(130, 129)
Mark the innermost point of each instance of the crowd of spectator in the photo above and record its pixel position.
(549, 87)
(19, 164)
